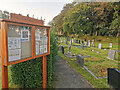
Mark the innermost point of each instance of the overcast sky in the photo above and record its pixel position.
(48, 9)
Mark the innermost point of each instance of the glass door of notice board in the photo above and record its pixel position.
(41, 40)
(19, 42)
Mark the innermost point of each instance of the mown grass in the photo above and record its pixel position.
(97, 83)
(98, 62)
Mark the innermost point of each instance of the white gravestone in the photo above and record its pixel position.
(110, 45)
(111, 54)
(88, 43)
(100, 46)
(85, 43)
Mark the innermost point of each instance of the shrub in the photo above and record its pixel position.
(29, 74)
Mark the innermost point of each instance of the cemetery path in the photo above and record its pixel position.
(66, 77)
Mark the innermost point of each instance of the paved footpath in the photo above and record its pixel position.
(66, 77)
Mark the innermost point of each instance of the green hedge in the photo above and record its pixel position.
(29, 74)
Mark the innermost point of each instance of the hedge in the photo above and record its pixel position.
(29, 74)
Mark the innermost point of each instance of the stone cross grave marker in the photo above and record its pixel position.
(110, 45)
(80, 60)
(111, 54)
(88, 43)
(100, 46)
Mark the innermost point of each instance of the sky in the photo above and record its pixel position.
(47, 9)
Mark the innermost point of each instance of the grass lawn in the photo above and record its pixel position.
(97, 63)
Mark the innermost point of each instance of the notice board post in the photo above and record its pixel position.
(23, 41)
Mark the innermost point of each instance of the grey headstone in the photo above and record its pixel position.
(80, 60)
(111, 54)
(79, 41)
(114, 78)
(62, 47)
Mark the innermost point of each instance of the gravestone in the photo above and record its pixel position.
(81, 46)
(79, 41)
(93, 43)
(82, 41)
(111, 54)
(88, 43)
(69, 47)
(85, 44)
(100, 46)
(80, 60)
(114, 78)
(110, 45)
(62, 47)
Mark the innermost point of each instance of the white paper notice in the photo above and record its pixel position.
(14, 42)
(14, 46)
(41, 49)
(25, 35)
(14, 55)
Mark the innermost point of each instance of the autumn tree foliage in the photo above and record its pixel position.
(94, 18)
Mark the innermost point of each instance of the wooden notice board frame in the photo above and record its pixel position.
(4, 50)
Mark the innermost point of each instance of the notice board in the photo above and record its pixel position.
(24, 41)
